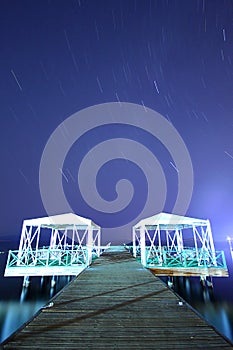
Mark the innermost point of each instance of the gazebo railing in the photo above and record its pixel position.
(186, 258)
(48, 257)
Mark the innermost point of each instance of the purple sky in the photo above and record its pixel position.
(58, 57)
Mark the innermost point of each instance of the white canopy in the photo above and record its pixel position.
(170, 221)
(61, 221)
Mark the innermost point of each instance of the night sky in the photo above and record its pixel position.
(60, 57)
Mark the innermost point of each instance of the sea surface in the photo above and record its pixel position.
(18, 304)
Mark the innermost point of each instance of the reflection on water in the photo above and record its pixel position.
(13, 314)
(214, 304)
(22, 306)
(208, 302)
(19, 304)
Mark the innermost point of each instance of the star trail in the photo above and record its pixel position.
(172, 56)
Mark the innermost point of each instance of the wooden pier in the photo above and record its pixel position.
(116, 304)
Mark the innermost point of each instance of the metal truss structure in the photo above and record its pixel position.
(230, 241)
(178, 245)
(56, 245)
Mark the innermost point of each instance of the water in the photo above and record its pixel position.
(214, 304)
(18, 305)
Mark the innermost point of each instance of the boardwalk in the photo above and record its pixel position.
(116, 304)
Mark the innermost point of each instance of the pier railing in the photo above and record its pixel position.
(185, 258)
(47, 261)
(189, 260)
(47, 257)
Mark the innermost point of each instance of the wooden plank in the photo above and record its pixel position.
(188, 272)
(117, 304)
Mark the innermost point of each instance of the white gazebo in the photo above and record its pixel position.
(54, 245)
(177, 245)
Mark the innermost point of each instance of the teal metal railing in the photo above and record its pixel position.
(48, 257)
(186, 258)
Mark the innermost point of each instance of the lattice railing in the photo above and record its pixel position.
(48, 257)
(189, 257)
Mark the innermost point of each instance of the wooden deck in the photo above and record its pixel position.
(116, 304)
(188, 272)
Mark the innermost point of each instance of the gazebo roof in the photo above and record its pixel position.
(61, 221)
(170, 221)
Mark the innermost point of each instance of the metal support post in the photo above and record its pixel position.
(89, 244)
(143, 245)
(134, 243)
